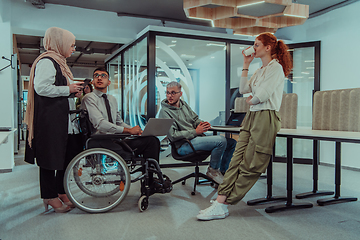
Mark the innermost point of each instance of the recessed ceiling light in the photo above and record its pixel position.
(215, 44)
(187, 56)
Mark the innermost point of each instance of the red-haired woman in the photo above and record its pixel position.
(257, 136)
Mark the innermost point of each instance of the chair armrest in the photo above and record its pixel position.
(182, 140)
(76, 111)
(118, 138)
(109, 136)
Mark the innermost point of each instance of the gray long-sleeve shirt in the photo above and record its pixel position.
(94, 103)
(186, 120)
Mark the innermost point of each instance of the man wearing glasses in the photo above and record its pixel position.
(188, 125)
(105, 118)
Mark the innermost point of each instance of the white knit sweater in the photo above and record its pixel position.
(266, 84)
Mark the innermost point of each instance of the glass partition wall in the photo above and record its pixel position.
(199, 66)
(209, 70)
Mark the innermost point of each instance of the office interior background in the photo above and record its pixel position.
(108, 32)
(193, 53)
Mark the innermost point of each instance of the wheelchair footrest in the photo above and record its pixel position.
(158, 187)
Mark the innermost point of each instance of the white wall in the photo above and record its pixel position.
(338, 32)
(6, 90)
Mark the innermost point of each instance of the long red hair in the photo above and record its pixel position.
(279, 50)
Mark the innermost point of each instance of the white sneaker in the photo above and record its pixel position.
(211, 201)
(215, 211)
(215, 175)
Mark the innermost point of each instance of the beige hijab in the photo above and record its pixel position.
(57, 43)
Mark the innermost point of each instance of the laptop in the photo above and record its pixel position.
(234, 120)
(157, 127)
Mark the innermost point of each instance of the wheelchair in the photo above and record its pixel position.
(98, 179)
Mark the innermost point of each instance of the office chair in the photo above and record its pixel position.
(195, 157)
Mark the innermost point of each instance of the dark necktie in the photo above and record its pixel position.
(107, 105)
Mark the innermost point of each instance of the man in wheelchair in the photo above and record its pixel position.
(105, 118)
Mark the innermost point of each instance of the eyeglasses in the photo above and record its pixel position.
(103, 75)
(172, 93)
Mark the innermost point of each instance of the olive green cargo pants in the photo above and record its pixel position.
(252, 154)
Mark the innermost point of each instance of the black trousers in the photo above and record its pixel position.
(147, 147)
(52, 181)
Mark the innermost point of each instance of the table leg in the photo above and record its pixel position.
(315, 191)
(336, 198)
(289, 184)
(269, 197)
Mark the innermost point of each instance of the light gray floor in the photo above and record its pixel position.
(173, 215)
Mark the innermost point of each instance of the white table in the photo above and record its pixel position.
(4, 135)
(6, 151)
(323, 135)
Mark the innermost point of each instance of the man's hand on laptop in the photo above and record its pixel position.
(202, 127)
(133, 131)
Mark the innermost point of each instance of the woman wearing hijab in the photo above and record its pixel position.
(261, 124)
(53, 139)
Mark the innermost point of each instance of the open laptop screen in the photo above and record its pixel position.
(157, 127)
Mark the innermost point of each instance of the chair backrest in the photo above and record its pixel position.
(87, 129)
(288, 110)
(240, 105)
(337, 110)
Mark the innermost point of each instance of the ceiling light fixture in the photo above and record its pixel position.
(248, 17)
(250, 4)
(200, 18)
(187, 56)
(291, 15)
(215, 44)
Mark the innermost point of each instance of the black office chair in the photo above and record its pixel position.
(195, 157)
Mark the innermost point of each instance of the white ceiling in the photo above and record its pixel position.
(92, 54)
(166, 9)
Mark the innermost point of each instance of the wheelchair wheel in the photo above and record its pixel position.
(97, 180)
(143, 203)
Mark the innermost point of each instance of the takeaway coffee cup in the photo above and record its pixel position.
(249, 51)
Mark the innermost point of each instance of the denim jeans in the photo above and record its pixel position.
(221, 149)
